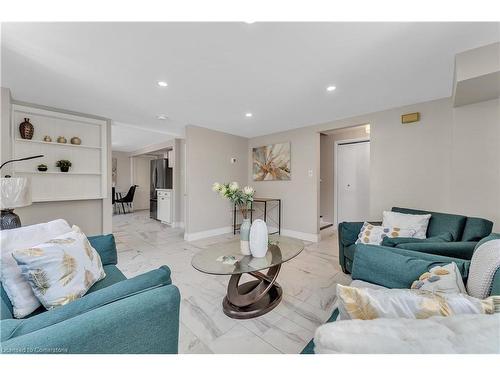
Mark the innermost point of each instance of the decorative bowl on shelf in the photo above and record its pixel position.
(42, 168)
(61, 139)
(76, 141)
(47, 138)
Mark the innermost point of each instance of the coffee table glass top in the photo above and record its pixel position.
(226, 258)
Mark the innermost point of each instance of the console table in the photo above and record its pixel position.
(274, 203)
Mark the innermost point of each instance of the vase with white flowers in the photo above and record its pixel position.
(243, 199)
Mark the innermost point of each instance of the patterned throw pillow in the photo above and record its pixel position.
(374, 235)
(367, 304)
(62, 269)
(441, 279)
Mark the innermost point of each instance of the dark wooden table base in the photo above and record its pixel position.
(253, 298)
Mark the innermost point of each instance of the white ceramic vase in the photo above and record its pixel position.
(258, 239)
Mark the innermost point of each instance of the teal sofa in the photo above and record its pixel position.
(449, 235)
(398, 268)
(117, 315)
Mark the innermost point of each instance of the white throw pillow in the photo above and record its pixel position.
(17, 288)
(445, 279)
(62, 269)
(417, 222)
(374, 234)
(367, 304)
(484, 264)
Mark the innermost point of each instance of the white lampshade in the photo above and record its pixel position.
(15, 192)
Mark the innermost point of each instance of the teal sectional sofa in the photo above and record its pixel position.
(117, 315)
(449, 235)
(393, 267)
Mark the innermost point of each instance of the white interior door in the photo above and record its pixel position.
(353, 181)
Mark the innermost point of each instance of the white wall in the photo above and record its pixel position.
(5, 130)
(449, 161)
(124, 168)
(300, 195)
(208, 155)
(141, 176)
(475, 160)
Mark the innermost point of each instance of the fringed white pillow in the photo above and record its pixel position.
(484, 264)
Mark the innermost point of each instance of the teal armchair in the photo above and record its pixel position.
(448, 235)
(117, 315)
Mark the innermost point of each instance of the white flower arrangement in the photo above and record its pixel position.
(240, 197)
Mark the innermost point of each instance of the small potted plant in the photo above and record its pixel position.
(64, 165)
(42, 167)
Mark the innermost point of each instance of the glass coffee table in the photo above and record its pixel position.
(256, 297)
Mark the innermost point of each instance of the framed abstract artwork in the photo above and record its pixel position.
(272, 162)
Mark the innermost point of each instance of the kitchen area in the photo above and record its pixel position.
(157, 172)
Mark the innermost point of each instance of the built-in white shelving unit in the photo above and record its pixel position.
(87, 177)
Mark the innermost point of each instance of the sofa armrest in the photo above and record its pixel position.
(397, 268)
(147, 322)
(90, 302)
(106, 247)
(461, 250)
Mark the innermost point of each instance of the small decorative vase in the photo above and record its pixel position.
(42, 169)
(76, 141)
(47, 138)
(64, 168)
(61, 139)
(244, 237)
(258, 239)
(26, 129)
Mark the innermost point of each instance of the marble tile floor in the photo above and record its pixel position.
(308, 283)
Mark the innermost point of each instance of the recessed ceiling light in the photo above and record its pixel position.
(330, 88)
(248, 114)
(162, 117)
(162, 83)
(249, 22)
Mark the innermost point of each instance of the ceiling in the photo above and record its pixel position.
(217, 72)
(128, 138)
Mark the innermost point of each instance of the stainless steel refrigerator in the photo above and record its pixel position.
(160, 178)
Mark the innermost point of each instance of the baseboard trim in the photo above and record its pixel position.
(311, 237)
(207, 233)
(178, 224)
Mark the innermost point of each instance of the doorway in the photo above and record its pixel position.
(352, 176)
(358, 165)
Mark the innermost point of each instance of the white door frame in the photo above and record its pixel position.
(335, 171)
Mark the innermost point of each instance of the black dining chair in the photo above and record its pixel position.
(128, 199)
(113, 198)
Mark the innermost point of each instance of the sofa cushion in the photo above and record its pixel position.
(376, 265)
(476, 229)
(393, 242)
(113, 276)
(440, 222)
(349, 251)
(462, 250)
(119, 291)
(106, 247)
